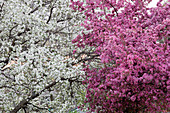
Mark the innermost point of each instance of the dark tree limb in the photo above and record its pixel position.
(62, 20)
(5, 61)
(49, 18)
(10, 31)
(24, 102)
(86, 59)
(1, 6)
(33, 10)
(38, 106)
(25, 30)
(38, 8)
(113, 7)
(9, 87)
(8, 77)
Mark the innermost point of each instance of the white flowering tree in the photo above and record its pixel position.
(38, 72)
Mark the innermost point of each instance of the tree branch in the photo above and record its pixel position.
(10, 31)
(1, 6)
(113, 7)
(37, 8)
(24, 102)
(8, 77)
(86, 59)
(33, 10)
(51, 11)
(38, 106)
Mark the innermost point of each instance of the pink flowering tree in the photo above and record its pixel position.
(133, 44)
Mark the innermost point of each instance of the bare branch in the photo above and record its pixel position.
(38, 8)
(10, 31)
(86, 59)
(1, 6)
(25, 30)
(113, 7)
(51, 11)
(63, 20)
(8, 77)
(38, 107)
(24, 102)
(34, 10)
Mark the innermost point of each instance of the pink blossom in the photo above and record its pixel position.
(74, 51)
(135, 61)
(133, 98)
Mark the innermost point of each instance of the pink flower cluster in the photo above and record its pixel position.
(135, 41)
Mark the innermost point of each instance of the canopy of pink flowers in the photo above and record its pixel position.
(133, 42)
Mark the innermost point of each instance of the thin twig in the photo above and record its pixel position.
(113, 8)
(51, 11)
(37, 8)
(38, 106)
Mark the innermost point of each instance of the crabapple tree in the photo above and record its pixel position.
(133, 44)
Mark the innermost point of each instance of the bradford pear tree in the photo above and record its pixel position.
(38, 72)
(133, 43)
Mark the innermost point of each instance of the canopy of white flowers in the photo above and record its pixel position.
(38, 72)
